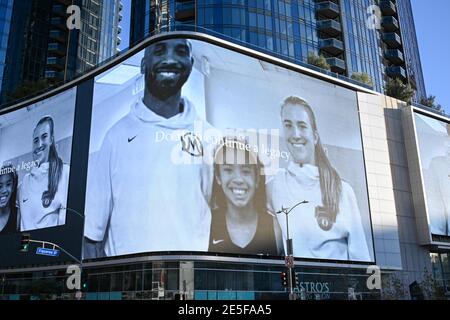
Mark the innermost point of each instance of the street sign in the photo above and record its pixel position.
(47, 252)
(289, 261)
(290, 251)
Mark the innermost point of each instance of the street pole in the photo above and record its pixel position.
(289, 247)
(3, 285)
(290, 253)
(82, 248)
(54, 245)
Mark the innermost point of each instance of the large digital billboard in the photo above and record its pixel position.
(433, 137)
(195, 147)
(35, 156)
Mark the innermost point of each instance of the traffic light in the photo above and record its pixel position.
(25, 242)
(297, 283)
(284, 279)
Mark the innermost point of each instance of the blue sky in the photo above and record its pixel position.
(125, 35)
(432, 27)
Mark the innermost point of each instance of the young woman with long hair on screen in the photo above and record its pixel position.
(329, 226)
(240, 221)
(43, 191)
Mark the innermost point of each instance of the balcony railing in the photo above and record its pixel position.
(396, 72)
(389, 24)
(331, 45)
(57, 48)
(388, 8)
(328, 9)
(58, 35)
(60, 10)
(55, 63)
(442, 113)
(392, 39)
(330, 27)
(337, 65)
(395, 56)
(58, 22)
(51, 74)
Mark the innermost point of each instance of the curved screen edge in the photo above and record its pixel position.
(224, 90)
(155, 182)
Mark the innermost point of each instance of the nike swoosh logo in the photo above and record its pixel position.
(217, 241)
(131, 139)
(24, 200)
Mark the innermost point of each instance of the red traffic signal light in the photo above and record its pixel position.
(284, 278)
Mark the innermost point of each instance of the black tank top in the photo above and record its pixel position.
(263, 241)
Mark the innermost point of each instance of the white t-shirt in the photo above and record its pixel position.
(344, 241)
(33, 215)
(437, 184)
(139, 196)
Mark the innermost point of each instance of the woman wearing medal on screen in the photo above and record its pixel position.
(328, 226)
(8, 192)
(240, 221)
(42, 194)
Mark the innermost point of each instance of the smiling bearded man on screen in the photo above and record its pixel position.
(139, 199)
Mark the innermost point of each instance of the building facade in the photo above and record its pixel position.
(410, 47)
(110, 29)
(397, 146)
(345, 32)
(5, 25)
(47, 51)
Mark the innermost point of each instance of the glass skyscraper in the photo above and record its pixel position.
(5, 25)
(410, 47)
(110, 29)
(38, 46)
(292, 29)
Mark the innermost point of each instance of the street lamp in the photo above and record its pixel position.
(289, 247)
(26, 240)
(79, 261)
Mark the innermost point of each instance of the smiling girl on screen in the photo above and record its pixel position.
(240, 221)
(8, 191)
(42, 195)
(328, 226)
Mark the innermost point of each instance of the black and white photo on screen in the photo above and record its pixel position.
(152, 203)
(240, 221)
(434, 149)
(140, 196)
(35, 153)
(237, 96)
